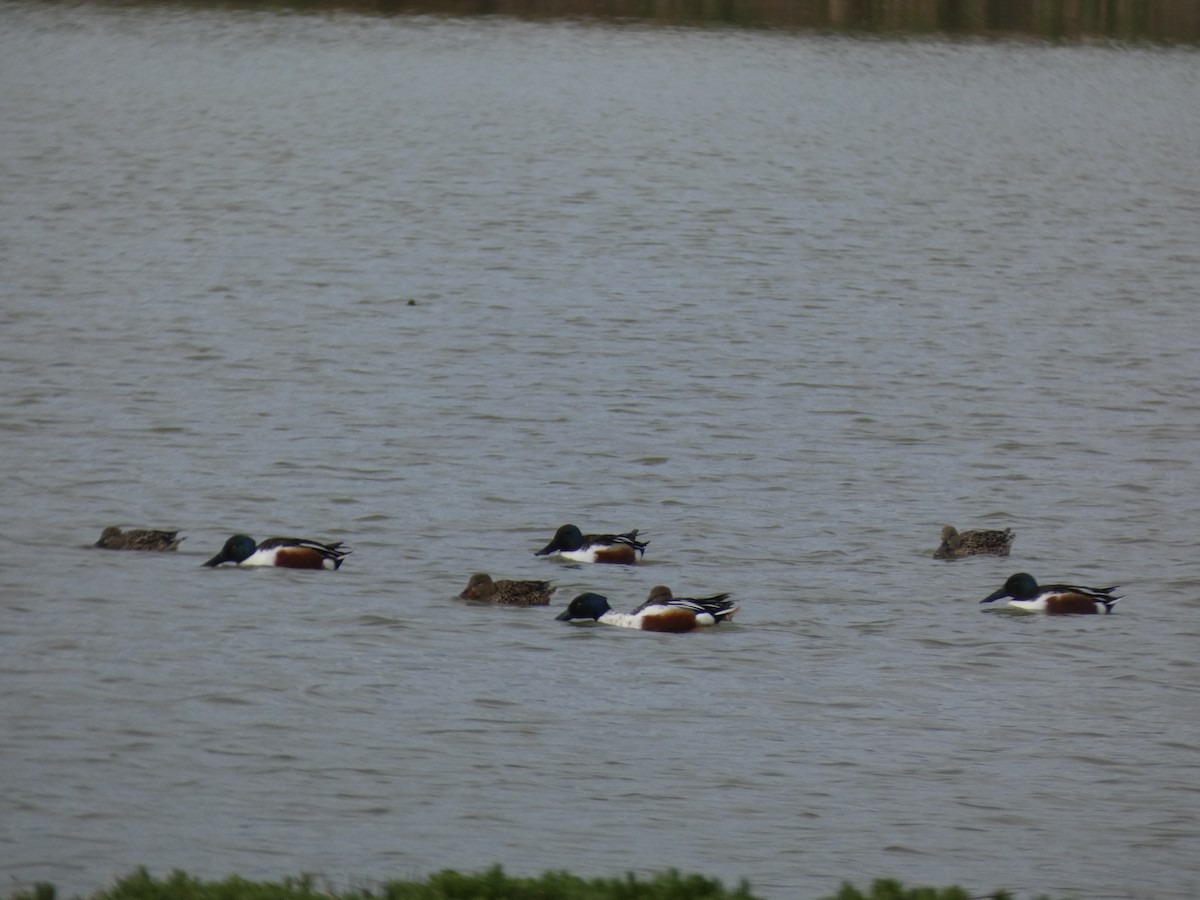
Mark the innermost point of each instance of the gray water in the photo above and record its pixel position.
(786, 303)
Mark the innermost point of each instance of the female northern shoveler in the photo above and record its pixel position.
(510, 593)
(974, 543)
(1054, 599)
(288, 553)
(113, 538)
(570, 543)
(661, 612)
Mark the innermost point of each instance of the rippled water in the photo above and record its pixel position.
(786, 303)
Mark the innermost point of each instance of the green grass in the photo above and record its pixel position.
(490, 885)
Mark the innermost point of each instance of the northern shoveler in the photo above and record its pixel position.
(113, 538)
(661, 612)
(510, 593)
(287, 553)
(570, 543)
(1053, 599)
(973, 543)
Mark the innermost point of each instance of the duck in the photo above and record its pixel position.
(508, 593)
(974, 543)
(571, 543)
(661, 612)
(1025, 593)
(287, 553)
(113, 538)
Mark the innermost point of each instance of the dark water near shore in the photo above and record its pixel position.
(1156, 21)
(787, 303)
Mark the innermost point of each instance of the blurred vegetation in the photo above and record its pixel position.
(490, 885)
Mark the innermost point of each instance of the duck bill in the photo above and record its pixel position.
(564, 616)
(217, 560)
(548, 549)
(994, 596)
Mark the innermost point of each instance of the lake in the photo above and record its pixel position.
(787, 301)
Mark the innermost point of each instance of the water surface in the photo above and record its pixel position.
(787, 303)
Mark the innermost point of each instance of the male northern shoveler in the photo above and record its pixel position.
(973, 543)
(113, 538)
(570, 543)
(1053, 599)
(510, 593)
(661, 612)
(287, 553)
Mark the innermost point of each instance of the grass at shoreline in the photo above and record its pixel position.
(492, 884)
